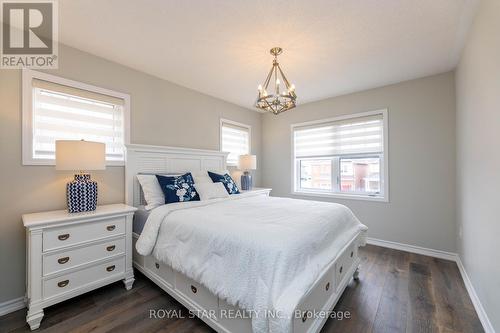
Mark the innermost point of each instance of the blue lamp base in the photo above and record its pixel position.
(81, 194)
(246, 181)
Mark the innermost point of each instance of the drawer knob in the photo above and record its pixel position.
(110, 248)
(305, 315)
(194, 289)
(157, 265)
(111, 227)
(63, 237)
(352, 253)
(63, 284)
(327, 287)
(62, 261)
(341, 268)
(110, 268)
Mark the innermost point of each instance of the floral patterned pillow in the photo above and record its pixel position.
(178, 188)
(225, 179)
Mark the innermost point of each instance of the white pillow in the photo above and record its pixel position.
(200, 177)
(208, 191)
(152, 191)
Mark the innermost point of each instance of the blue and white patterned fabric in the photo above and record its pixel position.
(81, 194)
(225, 179)
(178, 188)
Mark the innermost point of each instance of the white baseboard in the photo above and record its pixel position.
(12, 305)
(483, 317)
(413, 249)
(19, 303)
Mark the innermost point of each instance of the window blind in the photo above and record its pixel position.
(352, 136)
(67, 113)
(235, 140)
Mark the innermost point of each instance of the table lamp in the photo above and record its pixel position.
(247, 163)
(82, 156)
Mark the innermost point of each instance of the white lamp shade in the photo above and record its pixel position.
(80, 155)
(247, 162)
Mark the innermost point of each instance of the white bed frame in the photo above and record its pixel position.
(214, 311)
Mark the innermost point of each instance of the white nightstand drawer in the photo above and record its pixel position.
(80, 278)
(70, 254)
(62, 260)
(55, 238)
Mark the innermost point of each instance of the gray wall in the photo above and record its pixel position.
(421, 158)
(478, 174)
(162, 113)
(422, 155)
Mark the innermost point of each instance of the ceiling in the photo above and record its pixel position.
(221, 47)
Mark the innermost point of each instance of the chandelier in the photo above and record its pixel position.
(280, 96)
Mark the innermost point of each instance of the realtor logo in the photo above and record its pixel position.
(29, 34)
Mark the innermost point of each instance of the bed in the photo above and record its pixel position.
(248, 263)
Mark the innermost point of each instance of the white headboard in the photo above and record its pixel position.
(160, 159)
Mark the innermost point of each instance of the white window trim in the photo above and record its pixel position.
(385, 160)
(27, 112)
(235, 123)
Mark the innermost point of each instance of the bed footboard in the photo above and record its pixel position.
(310, 314)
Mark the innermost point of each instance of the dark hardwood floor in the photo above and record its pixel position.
(397, 292)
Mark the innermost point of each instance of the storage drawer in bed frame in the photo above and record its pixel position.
(322, 297)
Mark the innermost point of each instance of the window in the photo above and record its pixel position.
(344, 157)
(59, 109)
(235, 139)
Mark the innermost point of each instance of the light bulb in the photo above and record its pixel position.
(292, 87)
(259, 87)
(278, 82)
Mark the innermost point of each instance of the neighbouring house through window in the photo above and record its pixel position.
(344, 156)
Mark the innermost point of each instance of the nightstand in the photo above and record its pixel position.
(260, 190)
(70, 254)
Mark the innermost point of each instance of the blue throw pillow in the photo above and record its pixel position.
(178, 188)
(225, 179)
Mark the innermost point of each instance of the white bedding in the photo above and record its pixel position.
(257, 252)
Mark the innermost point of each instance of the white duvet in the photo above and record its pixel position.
(257, 252)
